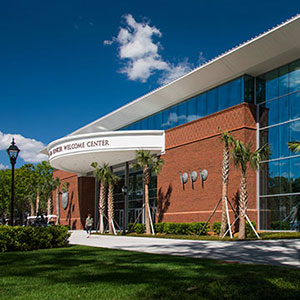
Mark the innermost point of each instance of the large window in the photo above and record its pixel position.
(222, 97)
(135, 195)
(278, 98)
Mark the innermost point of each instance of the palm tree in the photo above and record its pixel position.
(65, 187)
(149, 163)
(57, 185)
(242, 156)
(228, 141)
(112, 179)
(294, 146)
(101, 174)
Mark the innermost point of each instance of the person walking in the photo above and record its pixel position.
(89, 224)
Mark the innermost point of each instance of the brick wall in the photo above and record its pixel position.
(196, 145)
(81, 199)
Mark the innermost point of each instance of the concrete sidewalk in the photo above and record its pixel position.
(274, 252)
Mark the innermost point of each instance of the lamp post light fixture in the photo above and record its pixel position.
(13, 152)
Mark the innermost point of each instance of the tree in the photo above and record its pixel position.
(5, 180)
(101, 174)
(45, 186)
(228, 141)
(57, 184)
(149, 163)
(242, 156)
(112, 179)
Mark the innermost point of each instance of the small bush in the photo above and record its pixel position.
(159, 227)
(249, 231)
(275, 225)
(216, 227)
(18, 238)
(172, 228)
(139, 228)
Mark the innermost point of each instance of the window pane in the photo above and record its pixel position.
(283, 81)
(192, 110)
(235, 92)
(212, 101)
(182, 113)
(224, 96)
(202, 105)
(294, 101)
(279, 213)
(294, 76)
(248, 89)
(271, 136)
(295, 174)
(271, 84)
(165, 121)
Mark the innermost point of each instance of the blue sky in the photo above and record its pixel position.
(64, 64)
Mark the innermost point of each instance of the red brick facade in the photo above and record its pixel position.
(189, 147)
(81, 199)
(196, 145)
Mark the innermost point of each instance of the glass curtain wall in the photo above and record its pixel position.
(135, 196)
(278, 99)
(227, 95)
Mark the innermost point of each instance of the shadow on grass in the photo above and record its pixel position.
(144, 276)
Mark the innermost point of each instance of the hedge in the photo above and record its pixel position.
(18, 238)
(172, 228)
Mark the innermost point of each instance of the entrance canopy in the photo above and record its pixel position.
(76, 153)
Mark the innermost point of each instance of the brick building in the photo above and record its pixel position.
(252, 90)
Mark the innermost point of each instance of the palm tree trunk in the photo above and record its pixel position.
(49, 206)
(225, 175)
(147, 217)
(37, 203)
(110, 207)
(57, 206)
(102, 206)
(31, 209)
(243, 206)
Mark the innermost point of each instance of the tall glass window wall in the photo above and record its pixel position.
(278, 98)
(227, 95)
(135, 196)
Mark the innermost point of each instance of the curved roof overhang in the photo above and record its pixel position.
(265, 52)
(76, 153)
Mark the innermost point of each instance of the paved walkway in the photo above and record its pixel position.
(277, 252)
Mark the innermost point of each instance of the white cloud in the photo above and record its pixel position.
(3, 167)
(295, 126)
(30, 148)
(175, 71)
(140, 53)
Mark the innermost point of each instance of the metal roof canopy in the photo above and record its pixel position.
(263, 53)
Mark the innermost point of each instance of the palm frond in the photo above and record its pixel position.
(294, 146)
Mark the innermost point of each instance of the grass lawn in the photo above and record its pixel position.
(79, 272)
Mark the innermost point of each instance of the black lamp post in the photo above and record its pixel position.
(13, 152)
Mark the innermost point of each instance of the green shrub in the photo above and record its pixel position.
(216, 227)
(159, 228)
(139, 228)
(249, 231)
(20, 238)
(275, 225)
(197, 227)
